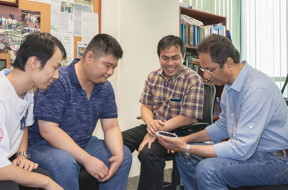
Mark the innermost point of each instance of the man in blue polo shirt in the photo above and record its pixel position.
(67, 113)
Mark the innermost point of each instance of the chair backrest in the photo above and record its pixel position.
(283, 90)
(285, 83)
(209, 97)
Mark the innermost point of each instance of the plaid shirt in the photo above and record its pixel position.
(181, 95)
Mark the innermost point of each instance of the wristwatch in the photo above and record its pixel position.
(24, 153)
(187, 150)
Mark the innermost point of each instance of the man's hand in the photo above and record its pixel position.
(115, 163)
(148, 139)
(24, 163)
(154, 126)
(96, 168)
(174, 144)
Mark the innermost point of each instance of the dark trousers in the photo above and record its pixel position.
(11, 185)
(152, 160)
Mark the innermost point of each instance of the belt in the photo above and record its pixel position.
(283, 153)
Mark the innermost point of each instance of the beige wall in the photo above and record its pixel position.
(138, 25)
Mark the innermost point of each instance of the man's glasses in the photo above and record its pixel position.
(207, 70)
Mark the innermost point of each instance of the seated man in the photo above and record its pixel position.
(172, 97)
(61, 140)
(254, 117)
(36, 66)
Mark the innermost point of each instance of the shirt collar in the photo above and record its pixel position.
(162, 74)
(238, 82)
(72, 72)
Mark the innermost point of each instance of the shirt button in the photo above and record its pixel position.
(232, 114)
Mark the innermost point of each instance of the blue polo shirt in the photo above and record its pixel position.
(67, 104)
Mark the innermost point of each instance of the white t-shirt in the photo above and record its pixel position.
(12, 110)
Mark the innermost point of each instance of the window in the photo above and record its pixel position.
(264, 37)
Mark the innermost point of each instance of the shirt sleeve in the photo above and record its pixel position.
(30, 115)
(4, 138)
(110, 107)
(147, 96)
(218, 130)
(193, 99)
(252, 121)
(50, 103)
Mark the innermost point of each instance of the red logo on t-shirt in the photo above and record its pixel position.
(1, 134)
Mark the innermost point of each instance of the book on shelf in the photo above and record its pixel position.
(193, 30)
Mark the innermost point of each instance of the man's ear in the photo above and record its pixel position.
(89, 57)
(34, 63)
(229, 62)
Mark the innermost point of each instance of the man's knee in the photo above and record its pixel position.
(206, 168)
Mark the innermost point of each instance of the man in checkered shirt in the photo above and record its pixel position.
(172, 97)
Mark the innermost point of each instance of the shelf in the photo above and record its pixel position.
(206, 17)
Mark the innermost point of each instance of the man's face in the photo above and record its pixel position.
(212, 71)
(49, 73)
(101, 68)
(171, 61)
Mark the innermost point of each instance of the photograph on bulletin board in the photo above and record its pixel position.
(31, 21)
(10, 28)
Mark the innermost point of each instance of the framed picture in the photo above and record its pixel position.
(13, 3)
(2, 64)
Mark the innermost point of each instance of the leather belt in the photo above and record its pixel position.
(283, 153)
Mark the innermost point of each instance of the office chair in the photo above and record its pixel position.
(207, 119)
(86, 181)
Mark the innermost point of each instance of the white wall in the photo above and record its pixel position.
(138, 25)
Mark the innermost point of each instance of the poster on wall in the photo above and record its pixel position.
(81, 46)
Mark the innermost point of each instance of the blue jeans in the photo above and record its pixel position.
(65, 169)
(219, 173)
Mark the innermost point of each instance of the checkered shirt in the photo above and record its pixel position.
(182, 95)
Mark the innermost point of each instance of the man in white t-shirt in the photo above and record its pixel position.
(36, 66)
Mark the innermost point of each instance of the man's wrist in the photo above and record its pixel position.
(26, 154)
(187, 149)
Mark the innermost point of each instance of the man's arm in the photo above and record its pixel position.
(179, 144)
(20, 160)
(28, 179)
(176, 122)
(114, 142)
(58, 138)
(155, 125)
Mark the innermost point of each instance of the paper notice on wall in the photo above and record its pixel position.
(78, 10)
(68, 43)
(89, 26)
(62, 16)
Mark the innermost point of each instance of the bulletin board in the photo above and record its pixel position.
(45, 10)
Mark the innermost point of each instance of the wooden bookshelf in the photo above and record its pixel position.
(207, 19)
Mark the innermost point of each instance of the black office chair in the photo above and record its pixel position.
(207, 119)
(87, 181)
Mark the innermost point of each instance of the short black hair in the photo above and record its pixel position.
(40, 45)
(219, 47)
(169, 41)
(104, 44)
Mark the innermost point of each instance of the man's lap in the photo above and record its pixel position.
(264, 167)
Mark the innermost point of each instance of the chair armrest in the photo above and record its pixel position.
(194, 127)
